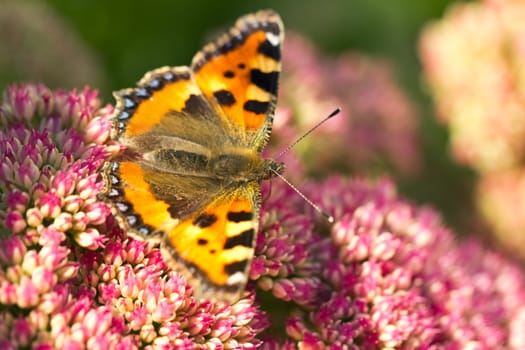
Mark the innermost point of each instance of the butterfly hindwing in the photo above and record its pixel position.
(220, 261)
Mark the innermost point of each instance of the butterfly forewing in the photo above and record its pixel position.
(239, 73)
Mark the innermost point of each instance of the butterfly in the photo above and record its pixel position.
(191, 170)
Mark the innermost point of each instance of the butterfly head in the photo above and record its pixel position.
(271, 169)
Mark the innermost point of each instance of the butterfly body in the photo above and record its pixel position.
(191, 169)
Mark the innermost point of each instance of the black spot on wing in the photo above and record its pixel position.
(178, 206)
(267, 49)
(239, 266)
(202, 241)
(257, 107)
(224, 97)
(266, 81)
(228, 74)
(196, 105)
(238, 216)
(205, 220)
(245, 238)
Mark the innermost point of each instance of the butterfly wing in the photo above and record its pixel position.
(214, 247)
(168, 128)
(167, 103)
(239, 75)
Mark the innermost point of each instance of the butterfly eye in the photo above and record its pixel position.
(277, 167)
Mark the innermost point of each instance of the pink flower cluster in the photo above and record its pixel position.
(69, 278)
(386, 274)
(473, 62)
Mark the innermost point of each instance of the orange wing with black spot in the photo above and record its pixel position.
(217, 263)
(239, 74)
(167, 103)
(166, 115)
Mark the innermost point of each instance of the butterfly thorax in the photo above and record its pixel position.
(243, 165)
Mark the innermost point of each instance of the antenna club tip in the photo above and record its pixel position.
(328, 217)
(334, 113)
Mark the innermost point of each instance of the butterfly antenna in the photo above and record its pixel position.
(328, 217)
(333, 114)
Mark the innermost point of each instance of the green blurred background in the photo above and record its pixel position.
(111, 44)
(131, 37)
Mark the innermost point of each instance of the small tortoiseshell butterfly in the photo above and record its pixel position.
(191, 169)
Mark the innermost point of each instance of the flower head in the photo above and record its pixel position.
(386, 274)
(70, 277)
(472, 63)
(472, 60)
